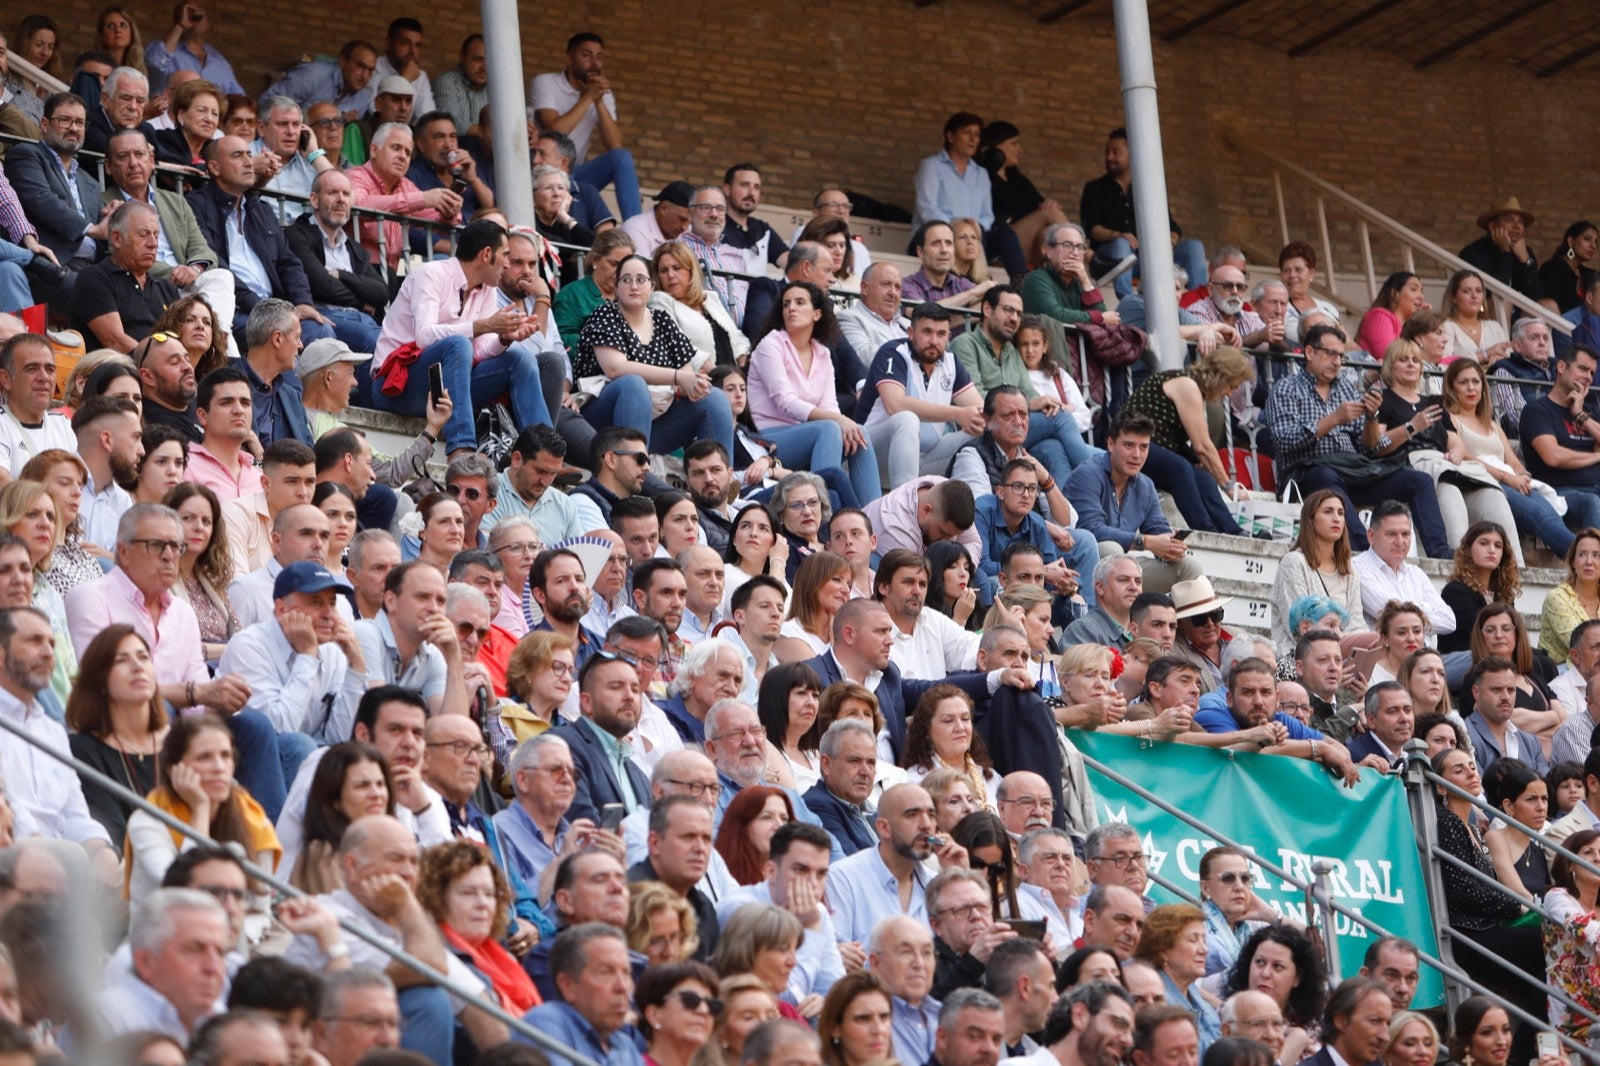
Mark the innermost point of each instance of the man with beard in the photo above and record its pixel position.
(1096, 1026)
(167, 384)
(108, 431)
(1167, 1035)
(1226, 304)
(915, 389)
(557, 584)
(621, 458)
(660, 592)
(608, 699)
(709, 475)
(927, 643)
(535, 462)
(859, 887)
(56, 191)
(741, 185)
(343, 279)
(118, 300)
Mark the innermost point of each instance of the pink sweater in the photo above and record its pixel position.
(781, 393)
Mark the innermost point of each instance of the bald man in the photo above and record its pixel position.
(858, 886)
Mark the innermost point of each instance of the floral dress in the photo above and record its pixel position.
(1571, 966)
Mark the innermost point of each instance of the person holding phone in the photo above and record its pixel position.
(183, 47)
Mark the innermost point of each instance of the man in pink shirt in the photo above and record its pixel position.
(138, 593)
(219, 461)
(447, 313)
(381, 185)
(924, 512)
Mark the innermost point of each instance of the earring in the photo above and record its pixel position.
(1570, 253)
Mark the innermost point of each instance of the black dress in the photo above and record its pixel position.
(1465, 602)
(137, 772)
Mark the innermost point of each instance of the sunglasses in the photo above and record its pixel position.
(142, 349)
(1214, 618)
(470, 493)
(692, 1000)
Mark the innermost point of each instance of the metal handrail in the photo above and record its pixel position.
(1477, 802)
(1443, 968)
(18, 65)
(400, 955)
(1410, 238)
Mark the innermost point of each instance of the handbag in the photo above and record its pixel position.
(1264, 512)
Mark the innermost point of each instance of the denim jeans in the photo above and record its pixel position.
(614, 168)
(1060, 428)
(355, 328)
(14, 292)
(1412, 486)
(1083, 556)
(1189, 254)
(1196, 493)
(625, 401)
(427, 1024)
(516, 369)
(818, 445)
(1583, 508)
(267, 759)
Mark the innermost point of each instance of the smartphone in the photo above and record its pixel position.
(1027, 930)
(1182, 534)
(611, 816)
(1376, 388)
(305, 139)
(435, 384)
(1548, 1045)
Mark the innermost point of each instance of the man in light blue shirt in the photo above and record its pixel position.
(736, 741)
(525, 487)
(796, 869)
(902, 955)
(534, 828)
(346, 83)
(592, 970)
(888, 881)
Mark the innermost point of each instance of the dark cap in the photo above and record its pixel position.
(676, 192)
(306, 577)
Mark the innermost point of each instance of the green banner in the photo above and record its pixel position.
(1290, 813)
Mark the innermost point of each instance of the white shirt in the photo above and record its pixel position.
(866, 332)
(1035, 903)
(128, 1005)
(752, 683)
(100, 510)
(431, 827)
(38, 786)
(251, 597)
(1379, 585)
(817, 963)
(19, 443)
(315, 694)
(421, 93)
(937, 648)
(555, 92)
(656, 732)
(335, 249)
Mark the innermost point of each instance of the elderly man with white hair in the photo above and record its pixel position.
(736, 741)
(1253, 1015)
(712, 670)
(180, 941)
(381, 184)
(534, 828)
(121, 107)
(902, 955)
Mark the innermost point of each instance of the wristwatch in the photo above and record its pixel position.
(1138, 542)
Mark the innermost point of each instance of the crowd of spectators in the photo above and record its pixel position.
(713, 701)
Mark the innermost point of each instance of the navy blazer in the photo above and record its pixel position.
(1366, 744)
(597, 781)
(896, 693)
(288, 278)
(41, 185)
(839, 819)
(1020, 732)
(361, 286)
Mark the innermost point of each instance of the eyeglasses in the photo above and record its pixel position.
(1233, 878)
(366, 1021)
(695, 788)
(799, 506)
(649, 662)
(1286, 706)
(965, 910)
(1325, 351)
(225, 893)
(692, 1000)
(642, 458)
(1274, 1024)
(462, 749)
(1033, 803)
(69, 123)
(156, 546)
(561, 668)
(1123, 861)
(835, 205)
(1021, 488)
(1229, 286)
(470, 493)
(710, 209)
(1071, 246)
(523, 547)
(560, 770)
(467, 629)
(329, 123)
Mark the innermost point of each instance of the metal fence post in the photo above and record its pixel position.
(1424, 819)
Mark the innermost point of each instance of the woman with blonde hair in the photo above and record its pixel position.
(205, 569)
(1413, 1041)
(821, 587)
(1028, 607)
(1427, 329)
(1183, 461)
(953, 799)
(661, 924)
(118, 37)
(28, 511)
(1423, 675)
(970, 260)
(1474, 331)
(699, 311)
(78, 376)
(76, 561)
(539, 679)
(1576, 600)
(746, 1003)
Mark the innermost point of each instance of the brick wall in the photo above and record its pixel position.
(834, 90)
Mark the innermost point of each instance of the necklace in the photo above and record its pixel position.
(129, 759)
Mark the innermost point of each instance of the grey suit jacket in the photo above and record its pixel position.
(41, 186)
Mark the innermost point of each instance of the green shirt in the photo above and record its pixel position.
(977, 355)
(1043, 294)
(618, 752)
(573, 304)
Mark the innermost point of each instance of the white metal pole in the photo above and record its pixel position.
(513, 175)
(1149, 178)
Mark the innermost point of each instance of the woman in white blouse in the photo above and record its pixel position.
(1317, 565)
(681, 292)
(1473, 330)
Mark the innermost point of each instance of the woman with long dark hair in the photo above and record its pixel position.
(953, 586)
(350, 782)
(206, 567)
(194, 784)
(1283, 962)
(1484, 573)
(1398, 299)
(1562, 273)
(116, 721)
(1520, 861)
(1317, 564)
(940, 734)
(787, 702)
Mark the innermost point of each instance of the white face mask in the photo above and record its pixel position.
(1231, 305)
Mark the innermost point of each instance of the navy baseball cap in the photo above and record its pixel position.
(306, 577)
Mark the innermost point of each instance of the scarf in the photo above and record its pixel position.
(511, 982)
(260, 841)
